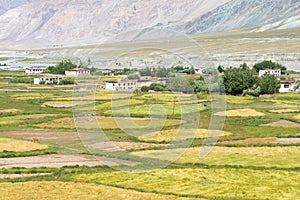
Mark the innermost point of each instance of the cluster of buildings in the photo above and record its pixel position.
(285, 86)
(54, 79)
(132, 85)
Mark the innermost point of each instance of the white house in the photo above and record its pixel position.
(287, 86)
(275, 72)
(34, 70)
(122, 86)
(77, 72)
(47, 80)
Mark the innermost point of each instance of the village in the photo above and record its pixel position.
(130, 80)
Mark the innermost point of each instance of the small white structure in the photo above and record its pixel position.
(275, 72)
(121, 86)
(34, 70)
(148, 82)
(78, 72)
(47, 80)
(287, 86)
(198, 70)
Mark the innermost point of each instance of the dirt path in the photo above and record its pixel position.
(43, 136)
(3, 176)
(287, 141)
(61, 160)
(283, 123)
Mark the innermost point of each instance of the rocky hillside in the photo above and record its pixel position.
(238, 14)
(43, 22)
(6, 5)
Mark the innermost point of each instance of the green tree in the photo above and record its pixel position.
(269, 65)
(268, 84)
(157, 87)
(61, 67)
(145, 89)
(133, 77)
(221, 69)
(236, 80)
(180, 84)
(67, 81)
(146, 72)
(161, 72)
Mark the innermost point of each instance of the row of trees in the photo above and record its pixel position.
(269, 65)
(61, 67)
(166, 72)
(233, 81)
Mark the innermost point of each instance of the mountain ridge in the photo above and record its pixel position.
(40, 22)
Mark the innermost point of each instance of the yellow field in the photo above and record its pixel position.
(279, 111)
(108, 123)
(7, 144)
(159, 110)
(9, 111)
(64, 103)
(170, 135)
(239, 99)
(297, 117)
(241, 113)
(281, 102)
(209, 183)
(286, 157)
(15, 120)
(43, 190)
(29, 96)
(110, 95)
(167, 97)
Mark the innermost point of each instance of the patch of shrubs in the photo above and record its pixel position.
(13, 154)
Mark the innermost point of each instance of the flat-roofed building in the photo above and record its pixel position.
(34, 70)
(77, 72)
(275, 72)
(121, 86)
(48, 80)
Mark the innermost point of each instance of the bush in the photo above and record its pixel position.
(269, 65)
(145, 89)
(256, 92)
(236, 80)
(61, 67)
(67, 81)
(27, 80)
(133, 77)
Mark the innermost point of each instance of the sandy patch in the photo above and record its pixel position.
(283, 123)
(250, 141)
(287, 141)
(9, 111)
(3, 176)
(44, 136)
(61, 160)
(136, 145)
(122, 146)
(241, 113)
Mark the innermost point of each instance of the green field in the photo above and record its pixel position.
(256, 155)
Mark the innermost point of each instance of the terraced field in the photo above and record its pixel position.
(255, 155)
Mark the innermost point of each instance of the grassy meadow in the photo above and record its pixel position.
(256, 155)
